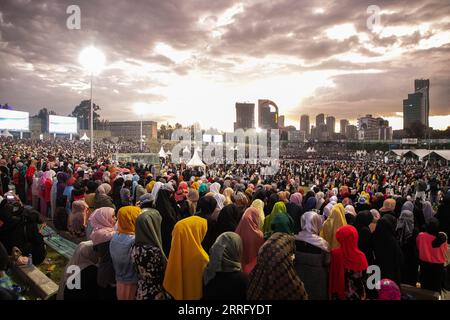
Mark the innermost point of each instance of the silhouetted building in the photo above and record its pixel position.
(304, 124)
(351, 132)
(417, 107)
(374, 128)
(331, 124)
(267, 119)
(245, 116)
(343, 125)
(320, 119)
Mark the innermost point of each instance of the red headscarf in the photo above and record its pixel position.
(252, 238)
(345, 257)
(182, 191)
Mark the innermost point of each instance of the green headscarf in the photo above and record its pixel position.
(281, 223)
(278, 208)
(203, 188)
(224, 256)
(148, 229)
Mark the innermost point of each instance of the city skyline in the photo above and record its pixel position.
(308, 57)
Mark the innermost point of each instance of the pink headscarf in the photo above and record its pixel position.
(252, 238)
(182, 191)
(296, 198)
(102, 222)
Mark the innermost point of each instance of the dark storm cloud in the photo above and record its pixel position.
(40, 68)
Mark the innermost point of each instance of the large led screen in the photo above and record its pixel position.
(14, 120)
(65, 125)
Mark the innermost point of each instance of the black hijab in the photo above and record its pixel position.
(166, 206)
(388, 254)
(270, 204)
(362, 222)
(227, 220)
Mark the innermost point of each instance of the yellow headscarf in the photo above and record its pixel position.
(183, 278)
(126, 219)
(258, 204)
(150, 185)
(195, 185)
(278, 208)
(334, 222)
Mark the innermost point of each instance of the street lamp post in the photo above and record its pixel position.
(140, 108)
(93, 61)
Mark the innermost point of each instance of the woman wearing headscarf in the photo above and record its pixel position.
(406, 235)
(182, 192)
(363, 221)
(432, 246)
(156, 189)
(148, 256)
(427, 210)
(274, 276)
(102, 221)
(84, 258)
(312, 256)
(241, 201)
(281, 223)
(76, 219)
(102, 198)
(295, 210)
(258, 204)
(348, 266)
(320, 197)
(29, 175)
(120, 249)
(116, 188)
(89, 198)
(45, 186)
(278, 208)
(35, 190)
(228, 194)
(223, 278)
(167, 208)
(273, 199)
(202, 189)
(388, 254)
(189, 206)
(252, 238)
(350, 214)
(227, 220)
(183, 278)
(443, 214)
(334, 222)
(220, 198)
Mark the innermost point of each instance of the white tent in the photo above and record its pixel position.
(311, 149)
(5, 133)
(85, 137)
(161, 153)
(196, 161)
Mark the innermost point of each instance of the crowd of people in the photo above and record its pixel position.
(310, 231)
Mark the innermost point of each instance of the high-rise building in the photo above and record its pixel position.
(374, 128)
(245, 116)
(331, 124)
(351, 132)
(344, 123)
(304, 124)
(281, 122)
(267, 119)
(417, 107)
(320, 119)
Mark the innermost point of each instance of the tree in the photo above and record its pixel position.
(43, 115)
(178, 126)
(162, 131)
(83, 113)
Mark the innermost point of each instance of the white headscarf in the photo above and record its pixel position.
(156, 188)
(311, 224)
(220, 198)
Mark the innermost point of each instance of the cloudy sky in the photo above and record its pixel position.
(191, 60)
